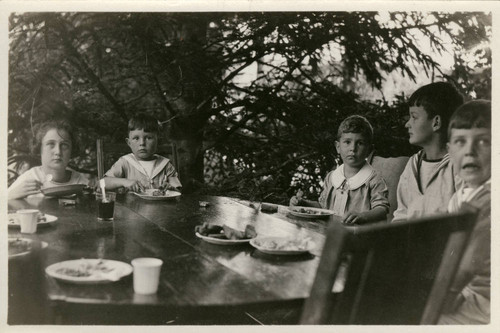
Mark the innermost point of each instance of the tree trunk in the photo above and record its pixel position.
(186, 129)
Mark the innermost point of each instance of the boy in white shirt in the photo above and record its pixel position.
(142, 168)
(470, 152)
(428, 181)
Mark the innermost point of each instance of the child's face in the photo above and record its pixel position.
(143, 144)
(470, 153)
(56, 149)
(420, 126)
(353, 148)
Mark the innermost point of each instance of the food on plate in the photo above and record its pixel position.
(310, 211)
(85, 269)
(225, 231)
(208, 229)
(283, 244)
(41, 218)
(232, 233)
(156, 192)
(18, 245)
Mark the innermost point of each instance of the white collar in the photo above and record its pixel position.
(356, 181)
(465, 194)
(160, 163)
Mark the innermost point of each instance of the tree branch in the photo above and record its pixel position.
(59, 25)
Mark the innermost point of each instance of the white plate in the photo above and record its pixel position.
(111, 270)
(168, 195)
(321, 213)
(14, 221)
(223, 241)
(63, 190)
(27, 243)
(261, 244)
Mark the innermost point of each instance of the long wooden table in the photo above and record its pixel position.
(199, 282)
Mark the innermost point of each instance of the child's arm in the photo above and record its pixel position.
(25, 185)
(378, 201)
(23, 189)
(170, 179)
(297, 200)
(113, 183)
(116, 177)
(401, 213)
(378, 213)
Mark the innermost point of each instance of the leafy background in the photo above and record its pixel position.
(252, 100)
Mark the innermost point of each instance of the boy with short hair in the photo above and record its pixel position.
(142, 168)
(470, 152)
(353, 190)
(428, 182)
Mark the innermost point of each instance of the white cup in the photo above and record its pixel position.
(28, 219)
(146, 275)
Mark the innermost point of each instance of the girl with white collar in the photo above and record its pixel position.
(353, 190)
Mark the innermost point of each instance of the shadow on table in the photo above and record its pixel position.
(263, 314)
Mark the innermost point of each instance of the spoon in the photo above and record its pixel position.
(102, 184)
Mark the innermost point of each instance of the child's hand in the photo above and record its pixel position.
(297, 198)
(135, 186)
(353, 218)
(24, 189)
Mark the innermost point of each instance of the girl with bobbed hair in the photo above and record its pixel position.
(54, 140)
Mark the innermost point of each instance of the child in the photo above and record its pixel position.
(470, 152)
(427, 182)
(354, 190)
(142, 168)
(55, 142)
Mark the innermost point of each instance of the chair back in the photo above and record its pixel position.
(109, 153)
(390, 169)
(398, 273)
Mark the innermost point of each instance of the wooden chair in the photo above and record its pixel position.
(398, 273)
(390, 169)
(108, 153)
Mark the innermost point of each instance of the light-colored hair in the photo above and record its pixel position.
(356, 124)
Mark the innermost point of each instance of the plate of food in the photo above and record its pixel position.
(89, 271)
(43, 220)
(224, 235)
(22, 246)
(63, 190)
(309, 212)
(282, 245)
(158, 194)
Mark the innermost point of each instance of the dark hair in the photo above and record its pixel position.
(438, 99)
(473, 114)
(144, 122)
(356, 124)
(42, 129)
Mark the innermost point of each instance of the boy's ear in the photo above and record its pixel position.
(448, 146)
(127, 141)
(436, 122)
(337, 147)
